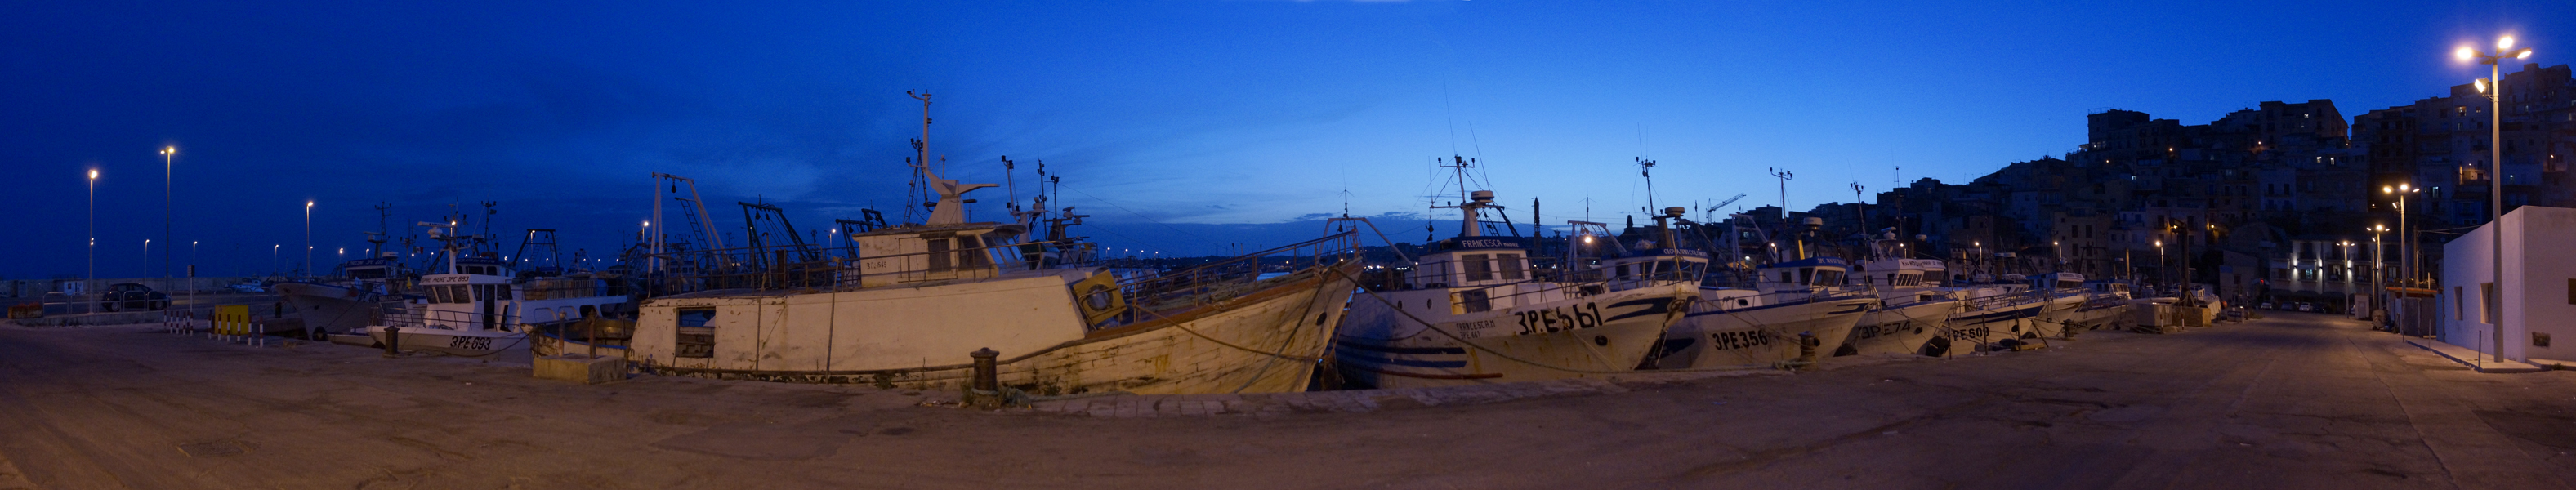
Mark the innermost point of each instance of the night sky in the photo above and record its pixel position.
(1181, 126)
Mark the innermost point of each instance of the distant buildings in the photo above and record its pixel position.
(2272, 203)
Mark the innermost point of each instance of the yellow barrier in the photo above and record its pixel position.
(232, 319)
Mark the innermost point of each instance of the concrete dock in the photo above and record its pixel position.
(2290, 401)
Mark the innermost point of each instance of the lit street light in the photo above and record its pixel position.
(169, 154)
(2406, 242)
(93, 230)
(308, 237)
(2495, 167)
(147, 257)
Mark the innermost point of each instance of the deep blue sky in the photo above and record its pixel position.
(1168, 117)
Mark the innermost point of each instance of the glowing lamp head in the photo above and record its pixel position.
(93, 174)
(2387, 190)
(2504, 43)
(2465, 53)
(2482, 85)
(2525, 54)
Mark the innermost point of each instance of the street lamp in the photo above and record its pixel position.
(2495, 166)
(169, 154)
(308, 236)
(147, 257)
(2406, 243)
(2378, 263)
(2162, 274)
(272, 257)
(93, 230)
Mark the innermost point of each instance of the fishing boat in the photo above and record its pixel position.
(480, 306)
(919, 301)
(2064, 295)
(2106, 307)
(1990, 316)
(1912, 309)
(365, 290)
(1479, 309)
(1793, 300)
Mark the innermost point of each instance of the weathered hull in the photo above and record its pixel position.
(1759, 335)
(2054, 315)
(1901, 329)
(1985, 325)
(328, 308)
(1267, 340)
(1603, 334)
(457, 342)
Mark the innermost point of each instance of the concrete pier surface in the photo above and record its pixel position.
(2290, 401)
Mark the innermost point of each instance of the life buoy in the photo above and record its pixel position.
(1099, 298)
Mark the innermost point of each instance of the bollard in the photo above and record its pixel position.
(1807, 350)
(987, 377)
(393, 341)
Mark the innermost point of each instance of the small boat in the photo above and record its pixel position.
(916, 303)
(2065, 295)
(366, 290)
(1912, 309)
(1791, 300)
(1480, 309)
(479, 307)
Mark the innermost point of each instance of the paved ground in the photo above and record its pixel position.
(2296, 401)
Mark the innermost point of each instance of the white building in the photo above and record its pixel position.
(2539, 274)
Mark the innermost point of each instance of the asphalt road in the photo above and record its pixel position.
(2295, 401)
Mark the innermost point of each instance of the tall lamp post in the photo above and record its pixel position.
(93, 231)
(169, 154)
(2378, 279)
(308, 237)
(2406, 243)
(2495, 166)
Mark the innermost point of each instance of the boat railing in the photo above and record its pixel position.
(1180, 289)
(1140, 281)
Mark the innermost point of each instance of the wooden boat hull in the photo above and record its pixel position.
(1267, 340)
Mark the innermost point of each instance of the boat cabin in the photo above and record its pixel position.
(1803, 275)
(925, 253)
(1471, 261)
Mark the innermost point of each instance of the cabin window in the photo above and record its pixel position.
(1511, 266)
(1478, 269)
(1475, 300)
(437, 294)
(696, 338)
(1804, 275)
(971, 253)
(1829, 278)
(939, 254)
(481, 292)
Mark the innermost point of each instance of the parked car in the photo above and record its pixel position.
(125, 296)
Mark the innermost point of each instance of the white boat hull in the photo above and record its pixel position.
(330, 308)
(1901, 328)
(457, 342)
(1267, 340)
(1586, 336)
(1759, 335)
